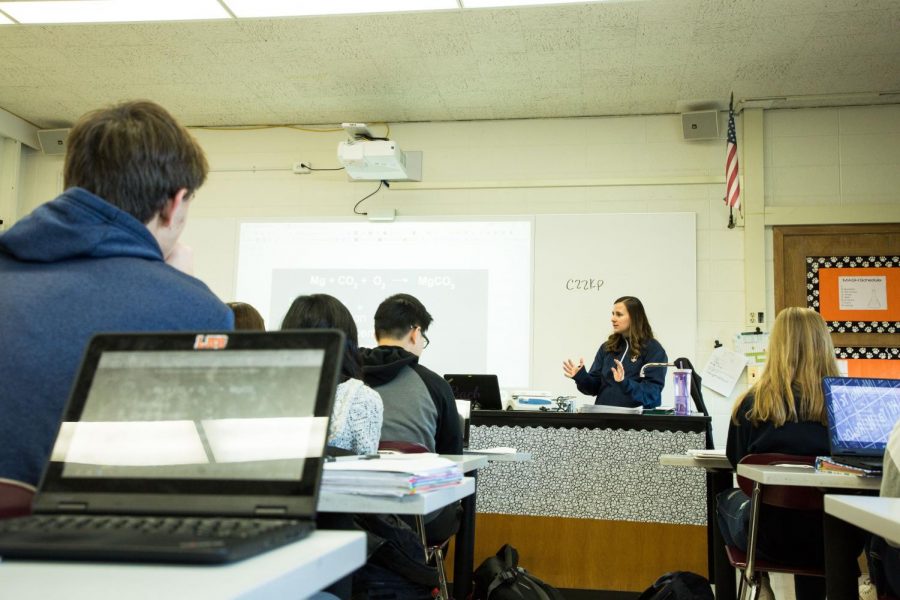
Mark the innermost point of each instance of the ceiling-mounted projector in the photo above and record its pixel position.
(370, 159)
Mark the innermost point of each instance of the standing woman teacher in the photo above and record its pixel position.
(614, 377)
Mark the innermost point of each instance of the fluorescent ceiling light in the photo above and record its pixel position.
(112, 11)
(4, 20)
(498, 3)
(303, 8)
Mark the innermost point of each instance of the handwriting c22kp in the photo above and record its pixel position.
(586, 285)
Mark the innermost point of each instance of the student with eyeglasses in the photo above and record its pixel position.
(418, 403)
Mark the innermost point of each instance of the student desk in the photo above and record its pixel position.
(844, 517)
(838, 583)
(719, 478)
(421, 504)
(880, 516)
(294, 571)
(593, 509)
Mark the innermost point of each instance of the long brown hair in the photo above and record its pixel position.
(639, 331)
(800, 355)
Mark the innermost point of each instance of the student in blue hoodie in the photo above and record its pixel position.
(102, 257)
(614, 377)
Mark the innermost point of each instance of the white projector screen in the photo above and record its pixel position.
(474, 277)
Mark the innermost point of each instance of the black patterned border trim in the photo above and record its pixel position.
(874, 352)
(814, 263)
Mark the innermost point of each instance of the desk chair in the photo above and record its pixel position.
(15, 498)
(432, 552)
(784, 496)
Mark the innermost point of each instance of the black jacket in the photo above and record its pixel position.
(803, 438)
(382, 364)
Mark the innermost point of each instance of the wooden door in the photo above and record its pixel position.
(800, 250)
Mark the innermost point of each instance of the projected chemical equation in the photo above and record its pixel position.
(381, 282)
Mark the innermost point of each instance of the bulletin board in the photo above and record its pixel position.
(870, 361)
(850, 274)
(859, 294)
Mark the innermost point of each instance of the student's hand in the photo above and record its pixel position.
(618, 371)
(570, 368)
(182, 258)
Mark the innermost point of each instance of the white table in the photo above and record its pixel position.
(468, 462)
(806, 476)
(420, 504)
(719, 477)
(700, 461)
(880, 516)
(291, 572)
(415, 504)
(838, 582)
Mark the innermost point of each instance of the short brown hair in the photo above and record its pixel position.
(246, 317)
(134, 155)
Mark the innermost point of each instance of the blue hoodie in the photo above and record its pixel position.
(74, 267)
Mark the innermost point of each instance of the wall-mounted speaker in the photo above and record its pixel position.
(53, 141)
(700, 125)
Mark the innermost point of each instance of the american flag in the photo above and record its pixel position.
(733, 184)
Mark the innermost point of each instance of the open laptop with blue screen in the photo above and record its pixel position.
(185, 448)
(861, 413)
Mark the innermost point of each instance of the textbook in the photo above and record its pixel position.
(829, 465)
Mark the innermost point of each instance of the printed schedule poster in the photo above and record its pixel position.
(863, 293)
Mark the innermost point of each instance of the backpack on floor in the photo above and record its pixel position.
(396, 567)
(501, 578)
(679, 585)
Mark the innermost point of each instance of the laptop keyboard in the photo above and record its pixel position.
(190, 527)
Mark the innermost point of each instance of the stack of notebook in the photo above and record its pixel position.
(830, 465)
(390, 475)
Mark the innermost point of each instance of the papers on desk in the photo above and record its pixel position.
(391, 475)
(602, 408)
(702, 453)
(494, 450)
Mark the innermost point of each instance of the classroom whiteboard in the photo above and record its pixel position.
(582, 263)
(544, 296)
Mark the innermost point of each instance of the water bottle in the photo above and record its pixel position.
(681, 378)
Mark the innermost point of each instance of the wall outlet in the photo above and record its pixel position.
(751, 319)
(302, 168)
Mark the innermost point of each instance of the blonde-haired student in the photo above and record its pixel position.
(784, 412)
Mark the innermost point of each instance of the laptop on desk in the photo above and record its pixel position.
(861, 413)
(185, 448)
(483, 391)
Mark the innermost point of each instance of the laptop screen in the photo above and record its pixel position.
(242, 414)
(482, 390)
(861, 413)
(245, 414)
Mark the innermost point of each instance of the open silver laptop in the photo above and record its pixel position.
(861, 413)
(185, 448)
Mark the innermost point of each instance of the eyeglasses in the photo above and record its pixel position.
(424, 337)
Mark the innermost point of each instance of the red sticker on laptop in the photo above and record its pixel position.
(210, 342)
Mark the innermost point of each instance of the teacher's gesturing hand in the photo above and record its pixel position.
(570, 368)
(618, 371)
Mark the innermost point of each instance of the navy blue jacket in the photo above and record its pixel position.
(74, 267)
(631, 391)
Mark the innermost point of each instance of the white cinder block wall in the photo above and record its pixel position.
(621, 164)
